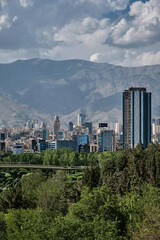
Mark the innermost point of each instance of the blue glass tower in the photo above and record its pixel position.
(106, 140)
(89, 126)
(136, 117)
(81, 119)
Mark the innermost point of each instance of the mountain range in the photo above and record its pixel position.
(42, 88)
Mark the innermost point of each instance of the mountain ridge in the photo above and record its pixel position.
(48, 87)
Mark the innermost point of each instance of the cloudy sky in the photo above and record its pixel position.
(121, 32)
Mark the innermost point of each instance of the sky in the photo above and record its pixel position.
(119, 32)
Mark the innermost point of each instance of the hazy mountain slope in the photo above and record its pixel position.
(13, 114)
(67, 87)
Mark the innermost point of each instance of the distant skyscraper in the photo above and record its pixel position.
(82, 140)
(56, 125)
(136, 117)
(118, 128)
(29, 124)
(81, 119)
(43, 124)
(44, 130)
(70, 126)
(2, 136)
(44, 133)
(89, 126)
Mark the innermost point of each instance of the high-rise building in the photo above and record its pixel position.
(44, 130)
(81, 119)
(89, 126)
(118, 128)
(44, 133)
(29, 124)
(2, 136)
(81, 140)
(56, 125)
(136, 117)
(2, 146)
(70, 126)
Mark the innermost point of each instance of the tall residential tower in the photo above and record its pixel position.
(56, 125)
(136, 117)
(81, 119)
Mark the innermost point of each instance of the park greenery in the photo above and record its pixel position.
(117, 197)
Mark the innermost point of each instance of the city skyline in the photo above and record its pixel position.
(83, 137)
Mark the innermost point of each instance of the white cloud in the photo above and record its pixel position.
(26, 3)
(15, 18)
(44, 36)
(65, 29)
(106, 4)
(111, 55)
(3, 3)
(98, 57)
(148, 58)
(127, 57)
(143, 28)
(4, 22)
(118, 4)
(12, 55)
(87, 31)
(139, 58)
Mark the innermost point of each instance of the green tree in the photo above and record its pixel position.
(142, 213)
(29, 224)
(30, 183)
(2, 227)
(11, 198)
(91, 176)
(95, 216)
(52, 193)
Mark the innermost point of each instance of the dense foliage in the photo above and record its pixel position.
(116, 197)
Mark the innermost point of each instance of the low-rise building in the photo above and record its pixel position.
(106, 140)
(18, 148)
